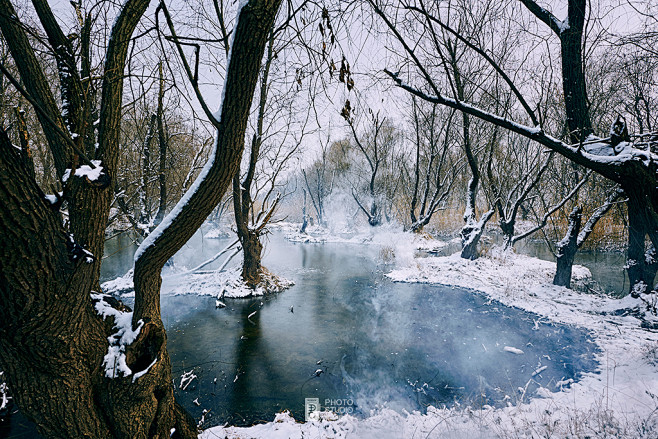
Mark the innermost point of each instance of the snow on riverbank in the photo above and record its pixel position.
(619, 400)
(224, 284)
(221, 284)
(390, 235)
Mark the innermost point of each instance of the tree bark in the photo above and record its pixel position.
(635, 260)
(52, 340)
(573, 75)
(255, 21)
(162, 159)
(251, 265)
(567, 248)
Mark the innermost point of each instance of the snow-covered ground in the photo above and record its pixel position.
(385, 235)
(221, 284)
(619, 400)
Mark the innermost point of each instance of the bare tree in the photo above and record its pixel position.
(576, 236)
(633, 168)
(519, 174)
(377, 148)
(434, 168)
(322, 172)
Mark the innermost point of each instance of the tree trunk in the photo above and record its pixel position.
(566, 250)
(249, 235)
(251, 265)
(304, 217)
(573, 76)
(53, 342)
(507, 227)
(470, 243)
(375, 218)
(470, 236)
(640, 274)
(162, 142)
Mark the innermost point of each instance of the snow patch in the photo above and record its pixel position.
(4, 395)
(513, 350)
(115, 359)
(226, 284)
(120, 285)
(54, 198)
(92, 174)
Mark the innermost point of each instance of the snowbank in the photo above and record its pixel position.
(224, 284)
(221, 284)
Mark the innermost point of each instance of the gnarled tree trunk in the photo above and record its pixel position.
(53, 342)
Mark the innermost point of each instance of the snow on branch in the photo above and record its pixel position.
(594, 159)
(612, 198)
(553, 209)
(203, 175)
(556, 25)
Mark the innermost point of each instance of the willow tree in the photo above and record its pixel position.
(632, 165)
(77, 363)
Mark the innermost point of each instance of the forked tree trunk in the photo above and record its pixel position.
(52, 340)
(250, 35)
(251, 265)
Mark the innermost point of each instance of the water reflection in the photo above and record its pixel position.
(374, 342)
(346, 332)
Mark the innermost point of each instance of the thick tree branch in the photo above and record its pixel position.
(250, 36)
(36, 85)
(45, 116)
(573, 153)
(546, 16)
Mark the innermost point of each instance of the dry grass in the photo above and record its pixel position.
(387, 254)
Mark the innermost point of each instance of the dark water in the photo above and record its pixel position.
(377, 343)
(371, 342)
(607, 267)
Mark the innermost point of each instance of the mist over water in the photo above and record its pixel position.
(347, 335)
